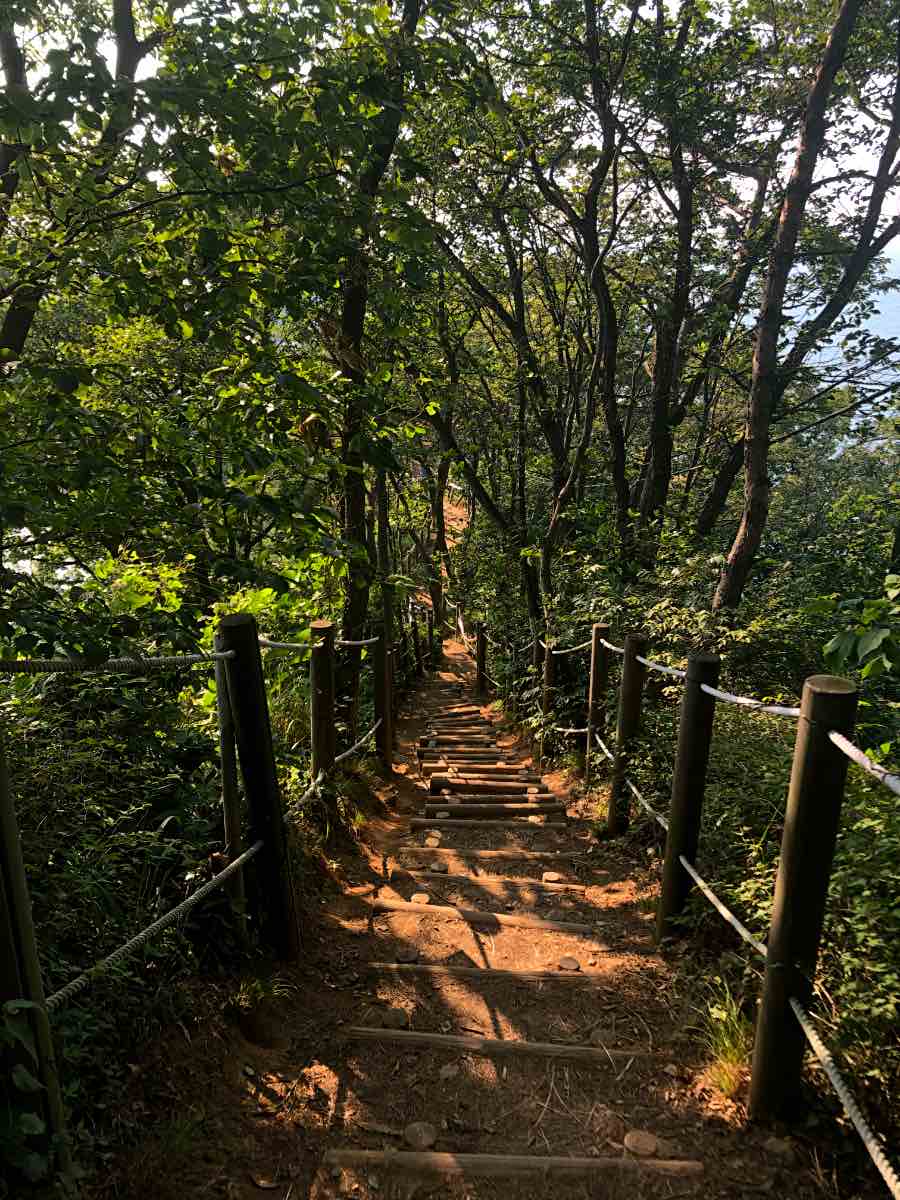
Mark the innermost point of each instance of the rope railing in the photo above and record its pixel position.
(347, 644)
(885, 777)
(297, 647)
(724, 912)
(93, 973)
(569, 729)
(868, 1137)
(118, 666)
(661, 667)
(778, 710)
(358, 745)
(610, 646)
(572, 649)
(638, 795)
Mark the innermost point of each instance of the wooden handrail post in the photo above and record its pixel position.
(21, 979)
(274, 900)
(688, 783)
(480, 659)
(321, 697)
(384, 739)
(231, 796)
(431, 654)
(598, 682)
(417, 645)
(631, 694)
(811, 823)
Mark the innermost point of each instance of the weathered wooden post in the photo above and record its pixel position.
(321, 696)
(20, 976)
(480, 659)
(547, 694)
(275, 903)
(631, 693)
(811, 823)
(688, 783)
(417, 645)
(431, 655)
(598, 682)
(381, 663)
(395, 694)
(231, 796)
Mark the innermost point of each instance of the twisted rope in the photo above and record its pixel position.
(348, 645)
(123, 666)
(610, 646)
(567, 729)
(603, 746)
(720, 908)
(655, 666)
(778, 710)
(307, 795)
(851, 1108)
(87, 977)
(648, 808)
(573, 649)
(298, 647)
(862, 760)
(358, 745)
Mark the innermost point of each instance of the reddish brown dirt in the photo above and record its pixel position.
(239, 1108)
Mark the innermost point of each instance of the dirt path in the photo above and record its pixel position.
(331, 1064)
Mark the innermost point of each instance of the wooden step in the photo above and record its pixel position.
(503, 1166)
(501, 796)
(494, 1047)
(463, 783)
(491, 823)
(488, 882)
(510, 809)
(559, 858)
(442, 971)
(477, 916)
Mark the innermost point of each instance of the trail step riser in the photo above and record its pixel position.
(496, 810)
(491, 1047)
(449, 823)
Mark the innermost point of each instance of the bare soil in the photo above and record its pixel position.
(251, 1105)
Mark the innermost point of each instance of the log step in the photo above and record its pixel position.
(559, 858)
(501, 796)
(493, 810)
(466, 783)
(477, 916)
(494, 1047)
(464, 823)
(489, 882)
(495, 1166)
(441, 971)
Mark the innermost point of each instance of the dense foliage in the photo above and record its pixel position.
(277, 274)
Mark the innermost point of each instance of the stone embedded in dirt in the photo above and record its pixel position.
(441, 814)
(448, 1071)
(420, 898)
(265, 1182)
(433, 842)
(642, 1143)
(779, 1147)
(568, 963)
(440, 867)
(407, 954)
(394, 1018)
(551, 877)
(420, 1135)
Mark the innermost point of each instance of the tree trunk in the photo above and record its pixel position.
(765, 357)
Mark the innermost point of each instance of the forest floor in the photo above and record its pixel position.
(253, 1102)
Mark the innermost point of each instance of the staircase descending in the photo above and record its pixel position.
(523, 990)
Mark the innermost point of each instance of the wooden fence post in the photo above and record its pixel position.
(275, 901)
(480, 658)
(381, 662)
(547, 694)
(395, 694)
(417, 645)
(21, 979)
(598, 682)
(431, 654)
(231, 797)
(321, 696)
(811, 823)
(688, 783)
(631, 693)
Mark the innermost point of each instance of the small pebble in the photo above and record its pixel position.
(420, 1135)
(442, 814)
(420, 898)
(551, 877)
(642, 1143)
(439, 867)
(568, 963)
